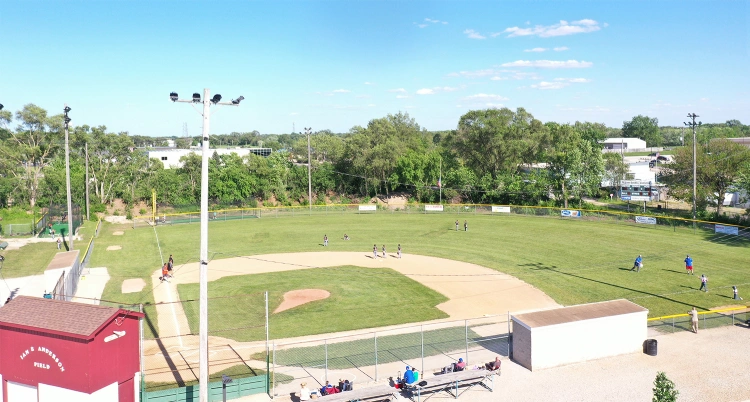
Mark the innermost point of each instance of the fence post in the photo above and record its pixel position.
(732, 318)
(326, 347)
(273, 381)
(421, 332)
(375, 335)
(466, 339)
(672, 324)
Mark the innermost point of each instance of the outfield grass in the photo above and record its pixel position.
(33, 259)
(360, 298)
(573, 261)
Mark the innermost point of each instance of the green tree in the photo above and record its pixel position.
(30, 147)
(574, 163)
(720, 167)
(643, 127)
(615, 168)
(498, 141)
(664, 389)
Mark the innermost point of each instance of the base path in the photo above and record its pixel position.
(472, 290)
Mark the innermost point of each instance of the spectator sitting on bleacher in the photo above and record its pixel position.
(460, 366)
(408, 377)
(416, 374)
(328, 389)
(492, 366)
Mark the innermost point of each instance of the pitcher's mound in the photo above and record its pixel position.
(118, 233)
(133, 285)
(296, 298)
(110, 248)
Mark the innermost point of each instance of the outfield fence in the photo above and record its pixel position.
(706, 319)
(459, 211)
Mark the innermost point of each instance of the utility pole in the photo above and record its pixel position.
(66, 119)
(693, 124)
(88, 216)
(308, 131)
(203, 271)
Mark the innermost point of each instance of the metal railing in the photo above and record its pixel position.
(706, 319)
(373, 356)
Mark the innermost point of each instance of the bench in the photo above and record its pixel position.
(379, 393)
(3, 245)
(450, 382)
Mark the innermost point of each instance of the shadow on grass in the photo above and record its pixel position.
(172, 367)
(538, 266)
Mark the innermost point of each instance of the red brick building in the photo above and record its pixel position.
(52, 350)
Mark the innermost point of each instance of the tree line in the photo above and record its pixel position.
(493, 156)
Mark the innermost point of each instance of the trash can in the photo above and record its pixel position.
(650, 347)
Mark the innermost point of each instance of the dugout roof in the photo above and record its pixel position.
(578, 313)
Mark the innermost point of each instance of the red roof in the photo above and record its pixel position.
(59, 317)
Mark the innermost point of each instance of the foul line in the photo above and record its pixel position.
(169, 292)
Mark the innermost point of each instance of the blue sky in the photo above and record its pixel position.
(337, 64)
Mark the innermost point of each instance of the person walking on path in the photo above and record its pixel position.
(694, 319)
(325, 240)
(59, 242)
(466, 226)
(384, 255)
(164, 273)
(375, 251)
(456, 225)
(689, 264)
(736, 295)
(170, 265)
(704, 283)
(399, 250)
(637, 264)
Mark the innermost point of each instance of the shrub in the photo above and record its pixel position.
(664, 390)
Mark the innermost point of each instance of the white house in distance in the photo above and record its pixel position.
(170, 157)
(625, 144)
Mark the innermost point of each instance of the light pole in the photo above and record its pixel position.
(66, 119)
(308, 131)
(203, 272)
(693, 124)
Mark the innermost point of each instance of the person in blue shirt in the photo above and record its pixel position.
(637, 264)
(408, 376)
(689, 264)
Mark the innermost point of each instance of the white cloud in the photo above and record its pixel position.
(550, 85)
(436, 21)
(485, 97)
(474, 74)
(472, 34)
(363, 96)
(494, 105)
(549, 64)
(369, 83)
(498, 78)
(293, 114)
(704, 99)
(537, 49)
(560, 49)
(371, 105)
(428, 21)
(434, 90)
(422, 25)
(402, 96)
(594, 109)
(574, 80)
(561, 29)
(400, 90)
(341, 91)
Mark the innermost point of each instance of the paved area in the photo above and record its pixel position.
(91, 285)
(708, 366)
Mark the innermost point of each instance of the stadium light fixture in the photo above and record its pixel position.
(1, 106)
(203, 269)
(238, 100)
(66, 120)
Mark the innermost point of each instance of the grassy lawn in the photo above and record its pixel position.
(33, 259)
(573, 261)
(235, 372)
(360, 298)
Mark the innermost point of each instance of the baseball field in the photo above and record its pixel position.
(570, 261)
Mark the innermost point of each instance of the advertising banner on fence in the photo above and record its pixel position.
(368, 207)
(726, 229)
(501, 209)
(570, 213)
(645, 219)
(438, 208)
